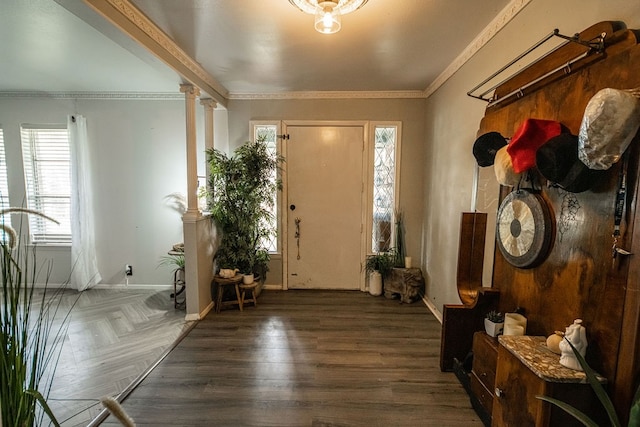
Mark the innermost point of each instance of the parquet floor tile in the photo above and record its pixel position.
(113, 337)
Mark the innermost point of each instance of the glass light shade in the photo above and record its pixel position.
(327, 18)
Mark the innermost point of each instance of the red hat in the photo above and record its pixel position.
(530, 136)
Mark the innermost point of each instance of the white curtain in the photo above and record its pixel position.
(84, 271)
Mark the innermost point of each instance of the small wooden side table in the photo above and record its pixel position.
(251, 288)
(222, 282)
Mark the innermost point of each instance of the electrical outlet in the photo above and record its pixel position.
(128, 270)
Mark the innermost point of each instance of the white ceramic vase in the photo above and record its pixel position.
(375, 283)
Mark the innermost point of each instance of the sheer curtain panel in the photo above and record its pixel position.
(84, 272)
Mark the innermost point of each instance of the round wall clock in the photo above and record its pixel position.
(524, 229)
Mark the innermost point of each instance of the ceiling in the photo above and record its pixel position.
(249, 47)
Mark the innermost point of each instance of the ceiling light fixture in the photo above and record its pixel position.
(328, 12)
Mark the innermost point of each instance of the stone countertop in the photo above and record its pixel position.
(532, 351)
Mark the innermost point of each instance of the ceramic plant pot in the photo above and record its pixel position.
(375, 283)
(493, 329)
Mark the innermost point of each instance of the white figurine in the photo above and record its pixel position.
(577, 334)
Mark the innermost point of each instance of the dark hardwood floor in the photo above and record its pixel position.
(306, 358)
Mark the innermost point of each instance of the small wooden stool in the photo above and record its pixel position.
(222, 282)
(251, 287)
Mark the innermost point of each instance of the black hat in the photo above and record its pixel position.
(557, 160)
(486, 147)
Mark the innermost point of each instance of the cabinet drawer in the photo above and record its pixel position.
(485, 355)
(480, 391)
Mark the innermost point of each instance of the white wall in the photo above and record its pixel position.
(410, 112)
(139, 157)
(453, 118)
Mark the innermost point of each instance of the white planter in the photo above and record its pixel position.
(493, 329)
(247, 279)
(375, 283)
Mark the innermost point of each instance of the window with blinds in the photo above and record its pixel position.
(47, 168)
(4, 187)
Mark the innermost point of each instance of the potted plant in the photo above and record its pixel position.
(494, 323)
(378, 267)
(175, 260)
(241, 191)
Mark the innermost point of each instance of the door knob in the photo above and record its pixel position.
(292, 207)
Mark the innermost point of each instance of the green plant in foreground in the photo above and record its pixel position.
(634, 413)
(31, 338)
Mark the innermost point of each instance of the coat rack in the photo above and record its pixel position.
(564, 57)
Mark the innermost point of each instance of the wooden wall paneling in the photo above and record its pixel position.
(515, 402)
(460, 321)
(473, 229)
(628, 372)
(578, 278)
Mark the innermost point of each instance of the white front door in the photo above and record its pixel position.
(324, 203)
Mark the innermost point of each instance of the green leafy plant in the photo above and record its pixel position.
(175, 261)
(495, 316)
(241, 192)
(400, 252)
(603, 397)
(382, 262)
(31, 337)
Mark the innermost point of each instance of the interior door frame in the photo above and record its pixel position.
(366, 182)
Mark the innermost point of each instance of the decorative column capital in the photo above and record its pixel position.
(189, 89)
(208, 103)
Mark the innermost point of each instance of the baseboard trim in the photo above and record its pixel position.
(105, 286)
(132, 286)
(432, 308)
(199, 316)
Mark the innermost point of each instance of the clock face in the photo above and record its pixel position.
(524, 229)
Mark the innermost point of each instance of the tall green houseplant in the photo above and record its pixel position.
(242, 191)
(32, 330)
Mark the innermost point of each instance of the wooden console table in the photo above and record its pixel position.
(526, 368)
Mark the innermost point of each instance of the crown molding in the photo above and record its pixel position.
(138, 26)
(330, 95)
(497, 24)
(140, 96)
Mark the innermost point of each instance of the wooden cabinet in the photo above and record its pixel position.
(526, 369)
(483, 374)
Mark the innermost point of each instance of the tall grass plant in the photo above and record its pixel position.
(33, 325)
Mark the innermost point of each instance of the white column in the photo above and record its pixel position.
(209, 105)
(198, 236)
(190, 94)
